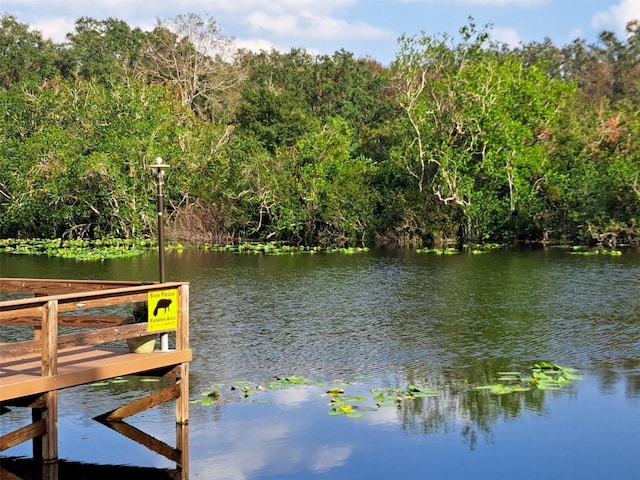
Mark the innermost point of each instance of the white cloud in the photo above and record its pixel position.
(255, 45)
(311, 25)
(576, 33)
(327, 458)
(54, 28)
(267, 21)
(492, 3)
(248, 446)
(617, 17)
(506, 35)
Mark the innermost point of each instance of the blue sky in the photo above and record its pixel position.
(363, 27)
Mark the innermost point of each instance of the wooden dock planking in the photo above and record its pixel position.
(33, 371)
(79, 366)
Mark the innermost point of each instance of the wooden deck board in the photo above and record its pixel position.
(33, 371)
(81, 365)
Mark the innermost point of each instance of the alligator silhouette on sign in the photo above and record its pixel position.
(163, 304)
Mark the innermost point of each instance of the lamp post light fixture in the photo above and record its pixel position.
(159, 168)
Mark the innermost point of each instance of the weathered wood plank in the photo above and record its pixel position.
(10, 313)
(49, 441)
(23, 434)
(87, 299)
(78, 366)
(137, 406)
(50, 338)
(80, 321)
(19, 350)
(182, 402)
(182, 445)
(33, 371)
(25, 349)
(49, 286)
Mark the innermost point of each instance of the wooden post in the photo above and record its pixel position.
(182, 402)
(182, 343)
(48, 448)
(182, 445)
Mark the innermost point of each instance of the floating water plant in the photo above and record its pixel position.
(340, 408)
(389, 397)
(343, 405)
(78, 249)
(414, 391)
(596, 251)
(276, 248)
(287, 382)
(544, 376)
(335, 392)
(548, 376)
(210, 397)
(439, 251)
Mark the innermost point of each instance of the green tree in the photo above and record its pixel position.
(81, 170)
(24, 55)
(103, 50)
(478, 121)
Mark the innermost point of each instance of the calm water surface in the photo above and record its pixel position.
(381, 320)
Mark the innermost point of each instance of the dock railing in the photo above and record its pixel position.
(51, 309)
(99, 310)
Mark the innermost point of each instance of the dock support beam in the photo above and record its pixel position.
(45, 447)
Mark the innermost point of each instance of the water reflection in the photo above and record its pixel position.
(23, 469)
(389, 320)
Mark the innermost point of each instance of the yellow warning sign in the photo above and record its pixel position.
(163, 310)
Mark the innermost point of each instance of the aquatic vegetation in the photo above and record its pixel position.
(276, 248)
(581, 250)
(548, 376)
(340, 408)
(389, 397)
(78, 249)
(439, 251)
(342, 404)
(544, 376)
(414, 391)
(288, 382)
(473, 248)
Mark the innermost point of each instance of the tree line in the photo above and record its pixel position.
(455, 141)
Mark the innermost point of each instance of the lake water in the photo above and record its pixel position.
(367, 323)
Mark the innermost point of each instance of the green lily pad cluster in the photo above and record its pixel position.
(473, 248)
(548, 376)
(389, 397)
(596, 251)
(439, 251)
(544, 376)
(276, 248)
(244, 389)
(78, 249)
(340, 403)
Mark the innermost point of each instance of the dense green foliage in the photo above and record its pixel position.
(453, 142)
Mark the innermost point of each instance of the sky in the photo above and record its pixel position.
(366, 28)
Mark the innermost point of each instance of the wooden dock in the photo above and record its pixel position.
(33, 370)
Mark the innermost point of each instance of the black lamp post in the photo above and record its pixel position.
(159, 168)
